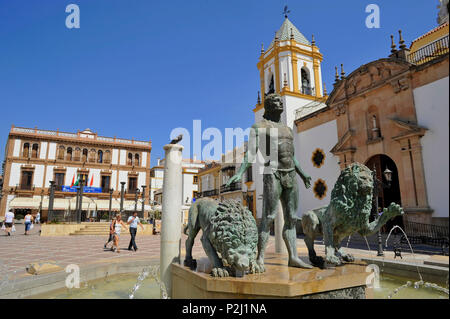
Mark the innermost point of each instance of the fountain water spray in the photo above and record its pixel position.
(412, 251)
(153, 272)
(348, 240)
(419, 283)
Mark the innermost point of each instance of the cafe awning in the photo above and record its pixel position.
(87, 203)
(25, 202)
(103, 204)
(130, 205)
(58, 203)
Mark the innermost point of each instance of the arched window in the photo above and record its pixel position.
(26, 150)
(69, 154)
(85, 155)
(61, 151)
(271, 85)
(100, 157)
(136, 159)
(130, 159)
(306, 82)
(34, 151)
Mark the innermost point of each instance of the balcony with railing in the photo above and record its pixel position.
(25, 187)
(237, 186)
(209, 193)
(429, 52)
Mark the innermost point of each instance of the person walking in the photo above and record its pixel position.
(9, 222)
(111, 232)
(133, 221)
(28, 219)
(38, 218)
(116, 229)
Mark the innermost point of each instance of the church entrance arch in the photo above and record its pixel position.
(388, 192)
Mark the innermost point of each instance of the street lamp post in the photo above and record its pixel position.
(51, 200)
(122, 193)
(377, 184)
(80, 200)
(77, 197)
(153, 212)
(136, 194)
(143, 199)
(110, 202)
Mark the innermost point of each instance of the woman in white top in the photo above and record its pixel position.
(9, 222)
(28, 219)
(116, 228)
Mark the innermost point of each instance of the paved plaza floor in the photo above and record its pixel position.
(18, 250)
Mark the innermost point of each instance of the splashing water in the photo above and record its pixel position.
(410, 247)
(417, 284)
(348, 240)
(367, 243)
(142, 275)
(153, 272)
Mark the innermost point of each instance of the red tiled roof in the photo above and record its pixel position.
(430, 32)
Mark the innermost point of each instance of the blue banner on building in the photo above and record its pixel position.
(86, 189)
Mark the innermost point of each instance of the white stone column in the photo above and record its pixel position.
(171, 211)
(280, 245)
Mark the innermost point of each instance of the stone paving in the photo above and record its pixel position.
(18, 250)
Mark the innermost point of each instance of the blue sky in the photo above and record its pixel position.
(138, 69)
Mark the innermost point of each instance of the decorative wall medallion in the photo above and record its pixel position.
(320, 189)
(318, 158)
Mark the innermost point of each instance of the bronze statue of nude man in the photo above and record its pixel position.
(280, 184)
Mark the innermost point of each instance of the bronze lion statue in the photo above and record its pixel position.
(229, 238)
(348, 213)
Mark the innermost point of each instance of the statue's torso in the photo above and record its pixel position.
(280, 139)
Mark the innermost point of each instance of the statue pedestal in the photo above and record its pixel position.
(279, 281)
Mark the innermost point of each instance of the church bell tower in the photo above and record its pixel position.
(291, 67)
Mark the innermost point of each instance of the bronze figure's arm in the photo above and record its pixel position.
(306, 179)
(249, 157)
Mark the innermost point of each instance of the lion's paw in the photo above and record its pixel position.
(393, 210)
(257, 267)
(332, 259)
(219, 272)
(348, 257)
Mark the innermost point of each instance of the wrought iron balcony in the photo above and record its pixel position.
(210, 193)
(429, 52)
(231, 188)
(25, 187)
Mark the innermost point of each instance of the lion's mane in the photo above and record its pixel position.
(346, 198)
(232, 227)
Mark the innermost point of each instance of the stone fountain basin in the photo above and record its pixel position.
(28, 285)
(31, 285)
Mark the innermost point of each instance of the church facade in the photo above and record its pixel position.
(390, 114)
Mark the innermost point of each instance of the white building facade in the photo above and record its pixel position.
(34, 157)
(189, 180)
